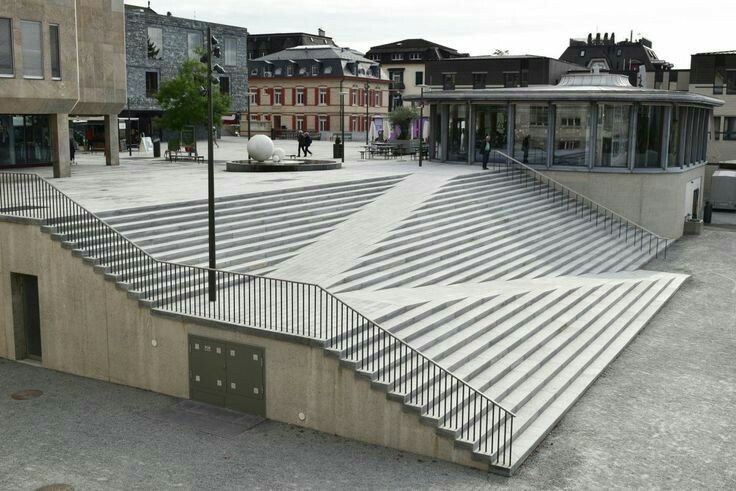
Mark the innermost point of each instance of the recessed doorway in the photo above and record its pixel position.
(26, 316)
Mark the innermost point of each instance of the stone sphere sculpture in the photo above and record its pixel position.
(279, 153)
(260, 148)
(276, 158)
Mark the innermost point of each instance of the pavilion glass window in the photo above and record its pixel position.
(673, 147)
(24, 140)
(6, 48)
(479, 80)
(572, 133)
(511, 79)
(730, 81)
(729, 128)
(649, 133)
(55, 51)
(492, 121)
(612, 136)
(32, 49)
(418, 78)
(531, 127)
(448, 81)
(155, 43)
(457, 139)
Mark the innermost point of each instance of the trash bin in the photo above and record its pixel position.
(707, 212)
(337, 150)
(156, 148)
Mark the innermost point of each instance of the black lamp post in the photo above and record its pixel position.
(365, 95)
(212, 50)
(127, 131)
(421, 123)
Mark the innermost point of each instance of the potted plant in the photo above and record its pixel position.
(402, 117)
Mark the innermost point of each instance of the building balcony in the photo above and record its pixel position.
(396, 86)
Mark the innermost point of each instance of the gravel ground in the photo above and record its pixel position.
(661, 416)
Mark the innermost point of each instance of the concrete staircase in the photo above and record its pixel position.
(254, 232)
(484, 227)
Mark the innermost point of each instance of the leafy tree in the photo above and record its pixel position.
(500, 52)
(182, 102)
(153, 51)
(402, 116)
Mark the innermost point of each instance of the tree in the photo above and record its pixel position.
(402, 116)
(153, 51)
(500, 52)
(182, 101)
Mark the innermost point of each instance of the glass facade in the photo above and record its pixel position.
(612, 136)
(6, 47)
(650, 124)
(572, 133)
(24, 140)
(491, 121)
(531, 125)
(674, 158)
(457, 138)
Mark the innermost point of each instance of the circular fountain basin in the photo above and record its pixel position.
(290, 165)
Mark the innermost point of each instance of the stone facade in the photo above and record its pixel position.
(174, 52)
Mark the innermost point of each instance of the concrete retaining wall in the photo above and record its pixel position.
(91, 328)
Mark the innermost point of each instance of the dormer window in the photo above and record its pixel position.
(289, 71)
(277, 72)
(415, 56)
(315, 70)
(254, 72)
(397, 56)
(302, 71)
(582, 53)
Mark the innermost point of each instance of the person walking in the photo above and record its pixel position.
(300, 140)
(307, 143)
(72, 150)
(486, 151)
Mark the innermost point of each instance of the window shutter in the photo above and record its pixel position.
(293, 99)
(327, 123)
(258, 97)
(293, 122)
(316, 98)
(327, 97)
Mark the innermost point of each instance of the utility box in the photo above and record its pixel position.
(225, 374)
(723, 189)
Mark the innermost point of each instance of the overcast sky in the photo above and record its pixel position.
(677, 28)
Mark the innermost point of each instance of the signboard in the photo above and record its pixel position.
(147, 144)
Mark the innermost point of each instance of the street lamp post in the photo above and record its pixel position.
(421, 123)
(127, 128)
(365, 96)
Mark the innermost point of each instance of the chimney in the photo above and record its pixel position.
(613, 38)
(590, 38)
(321, 32)
(605, 38)
(597, 38)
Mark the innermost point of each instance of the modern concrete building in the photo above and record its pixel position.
(300, 88)
(641, 152)
(58, 59)
(157, 45)
(634, 58)
(265, 44)
(405, 61)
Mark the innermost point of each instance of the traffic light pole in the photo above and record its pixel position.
(212, 276)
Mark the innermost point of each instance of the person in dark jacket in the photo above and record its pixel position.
(486, 149)
(300, 140)
(72, 150)
(307, 143)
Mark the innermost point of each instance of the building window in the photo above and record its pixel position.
(277, 94)
(55, 51)
(612, 136)
(225, 85)
(230, 45)
(354, 96)
(582, 53)
(678, 115)
(415, 56)
(155, 43)
(252, 96)
(322, 96)
(530, 133)
(315, 70)
(479, 80)
(32, 49)
(6, 48)
(448, 81)
(730, 81)
(650, 123)
(511, 79)
(289, 71)
(300, 122)
(194, 43)
(300, 96)
(571, 135)
(419, 78)
(729, 128)
(254, 72)
(322, 123)
(397, 56)
(24, 140)
(151, 84)
(303, 71)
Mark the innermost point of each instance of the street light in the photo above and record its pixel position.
(365, 96)
(421, 122)
(342, 122)
(213, 49)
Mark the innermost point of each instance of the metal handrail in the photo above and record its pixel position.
(654, 239)
(291, 307)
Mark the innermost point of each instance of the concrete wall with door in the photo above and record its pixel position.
(655, 201)
(92, 329)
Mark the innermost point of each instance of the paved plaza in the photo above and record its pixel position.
(661, 416)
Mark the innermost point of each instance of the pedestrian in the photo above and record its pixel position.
(307, 143)
(214, 136)
(486, 151)
(525, 148)
(72, 150)
(300, 140)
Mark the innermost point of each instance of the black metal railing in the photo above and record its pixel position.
(290, 307)
(584, 207)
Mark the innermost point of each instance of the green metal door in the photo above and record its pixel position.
(227, 374)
